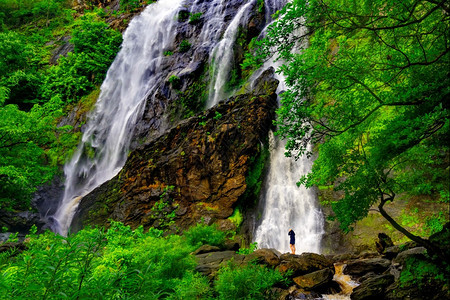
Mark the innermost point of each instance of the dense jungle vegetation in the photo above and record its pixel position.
(35, 91)
(120, 263)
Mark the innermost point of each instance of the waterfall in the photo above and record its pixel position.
(105, 143)
(283, 205)
(131, 81)
(222, 56)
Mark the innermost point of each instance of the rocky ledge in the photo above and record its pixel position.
(376, 276)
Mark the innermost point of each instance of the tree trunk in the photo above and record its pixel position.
(427, 244)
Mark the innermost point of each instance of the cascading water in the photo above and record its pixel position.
(130, 82)
(105, 143)
(222, 55)
(284, 205)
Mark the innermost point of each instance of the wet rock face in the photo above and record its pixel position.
(198, 168)
(190, 64)
(20, 222)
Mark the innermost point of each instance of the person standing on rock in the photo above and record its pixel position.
(291, 233)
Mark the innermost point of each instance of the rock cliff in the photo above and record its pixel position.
(195, 171)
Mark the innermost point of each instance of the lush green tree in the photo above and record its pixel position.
(95, 47)
(31, 145)
(19, 12)
(368, 85)
(24, 136)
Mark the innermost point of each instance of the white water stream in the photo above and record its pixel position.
(105, 143)
(283, 204)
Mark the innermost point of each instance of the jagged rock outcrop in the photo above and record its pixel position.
(198, 168)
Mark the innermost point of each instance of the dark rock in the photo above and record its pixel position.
(366, 276)
(373, 288)
(418, 252)
(383, 242)
(368, 254)
(314, 281)
(205, 249)
(46, 198)
(20, 222)
(391, 252)
(270, 257)
(231, 245)
(360, 267)
(343, 257)
(13, 247)
(303, 264)
(62, 50)
(294, 293)
(265, 83)
(210, 263)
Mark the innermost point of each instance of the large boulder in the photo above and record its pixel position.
(360, 267)
(209, 263)
(198, 168)
(314, 281)
(270, 257)
(303, 264)
(373, 288)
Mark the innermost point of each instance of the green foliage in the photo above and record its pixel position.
(76, 75)
(115, 264)
(195, 18)
(249, 282)
(168, 53)
(436, 222)
(253, 246)
(255, 175)
(183, 15)
(175, 81)
(23, 138)
(128, 5)
(193, 99)
(260, 5)
(202, 234)
(17, 12)
(163, 211)
(217, 116)
(33, 93)
(419, 272)
(184, 46)
(236, 217)
(368, 84)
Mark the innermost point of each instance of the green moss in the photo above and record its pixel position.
(193, 99)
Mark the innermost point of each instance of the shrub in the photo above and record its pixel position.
(202, 234)
(175, 81)
(194, 18)
(250, 282)
(185, 46)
